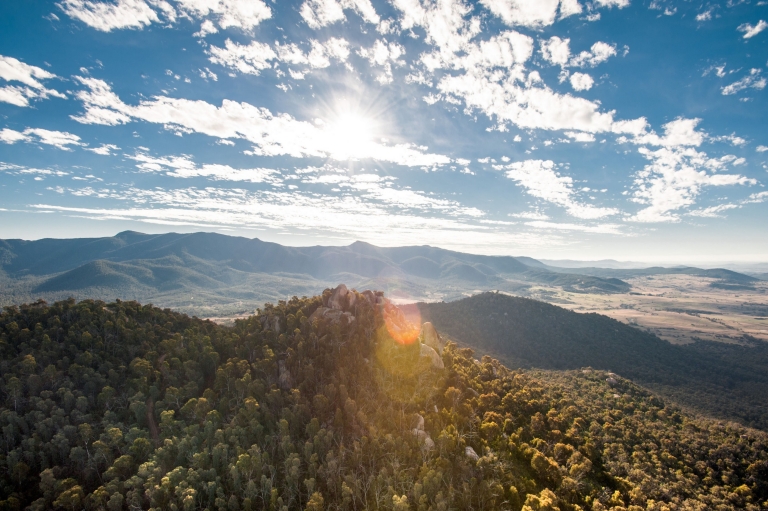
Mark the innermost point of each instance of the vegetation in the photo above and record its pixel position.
(723, 380)
(127, 406)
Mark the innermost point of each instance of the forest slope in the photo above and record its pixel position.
(722, 380)
(123, 406)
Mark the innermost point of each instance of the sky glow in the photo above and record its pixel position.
(556, 129)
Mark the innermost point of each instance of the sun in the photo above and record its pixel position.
(350, 135)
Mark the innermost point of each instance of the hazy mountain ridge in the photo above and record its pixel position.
(213, 274)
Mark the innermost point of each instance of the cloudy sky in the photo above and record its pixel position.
(553, 128)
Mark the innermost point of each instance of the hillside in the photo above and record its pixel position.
(723, 380)
(315, 404)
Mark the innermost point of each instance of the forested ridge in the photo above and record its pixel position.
(717, 379)
(127, 406)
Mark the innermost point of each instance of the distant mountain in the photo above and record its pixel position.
(602, 263)
(728, 381)
(210, 274)
(230, 274)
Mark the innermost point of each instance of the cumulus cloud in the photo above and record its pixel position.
(540, 180)
(271, 134)
(556, 50)
(581, 81)
(751, 31)
(597, 54)
(14, 70)
(59, 139)
(136, 14)
(673, 180)
(713, 211)
(256, 56)
(532, 13)
(753, 80)
(321, 13)
(612, 3)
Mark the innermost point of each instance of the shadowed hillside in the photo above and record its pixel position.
(723, 380)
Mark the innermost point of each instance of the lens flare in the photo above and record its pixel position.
(403, 323)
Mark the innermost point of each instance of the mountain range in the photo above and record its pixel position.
(210, 274)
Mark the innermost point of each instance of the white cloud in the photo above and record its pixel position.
(104, 149)
(248, 59)
(751, 31)
(704, 16)
(680, 132)
(673, 180)
(530, 215)
(752, 81)
(184, 167)
(242, 14)
(597, 54)
(556, 50)
(713, 211)
(580, 136)
(14, 70)
(383, 54)
(271, 134)
(59, 139)
(21, 170)
(108, 16)
(531, 13)
(321, 13)
(136, 14)
(540, 179)
(612, 3)
(581, 81)
(761, 148)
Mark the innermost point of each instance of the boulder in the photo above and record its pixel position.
(419, 422)
(471, 454)
(338, 299)
(428, 353)
(368, 295)
(424, 438)
(611, 381)
(431, 338)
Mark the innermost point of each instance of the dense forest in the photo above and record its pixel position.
(722, 380)
(320, 403)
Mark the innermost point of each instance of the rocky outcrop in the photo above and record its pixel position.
(427, 353)
(333, 315)
(271, 323)
(471, 454)
(424, 439)
(431, 338)
(339, 299)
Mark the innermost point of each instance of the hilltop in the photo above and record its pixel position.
(337, 401)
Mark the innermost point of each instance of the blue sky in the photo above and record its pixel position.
(553, 128)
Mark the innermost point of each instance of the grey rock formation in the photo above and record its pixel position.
(471, 454)
(431, 338)
(284, 376)
(430, 354)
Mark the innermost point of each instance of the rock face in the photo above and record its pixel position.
(424, 438)
(471, 454)
(427, 353)
(431, 338)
